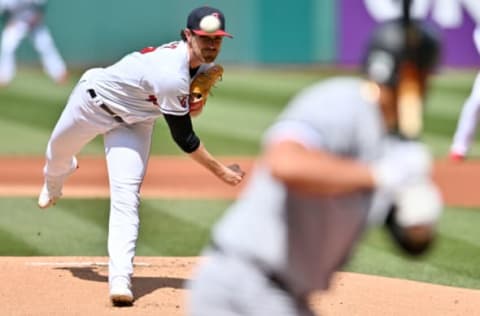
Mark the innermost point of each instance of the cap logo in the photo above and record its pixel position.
(206, 21)
(210, 23)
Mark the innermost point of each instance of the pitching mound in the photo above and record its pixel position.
(78, 286)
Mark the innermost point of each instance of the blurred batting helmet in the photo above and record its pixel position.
(400, 54)
(397, 42)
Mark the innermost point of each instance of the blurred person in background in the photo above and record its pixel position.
(26, 18)
(469, 116)
(122, 102)
(343, 154)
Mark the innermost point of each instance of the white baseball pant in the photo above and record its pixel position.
(127, 148)
(467, 122)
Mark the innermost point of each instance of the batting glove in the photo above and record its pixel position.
(403, 162)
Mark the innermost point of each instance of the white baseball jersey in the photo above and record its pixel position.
(303, 239)
(146, 84)
(24, 10)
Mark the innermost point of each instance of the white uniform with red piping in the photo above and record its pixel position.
(136, 90)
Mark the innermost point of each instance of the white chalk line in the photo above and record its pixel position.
(79, 264)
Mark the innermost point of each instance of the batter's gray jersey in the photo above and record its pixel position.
(305, 239)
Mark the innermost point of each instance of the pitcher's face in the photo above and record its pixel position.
(208, 47)
(204, 49)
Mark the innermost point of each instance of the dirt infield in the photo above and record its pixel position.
(181, 177)
(78, 285)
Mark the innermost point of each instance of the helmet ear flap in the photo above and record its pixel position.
(381, 67)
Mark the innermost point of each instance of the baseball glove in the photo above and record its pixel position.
(200, 88)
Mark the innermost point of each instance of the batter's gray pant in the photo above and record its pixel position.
(229, 286)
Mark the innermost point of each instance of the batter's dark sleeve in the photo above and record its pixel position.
(182, 132)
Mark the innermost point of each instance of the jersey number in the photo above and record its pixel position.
(150, 49)
(153, 99)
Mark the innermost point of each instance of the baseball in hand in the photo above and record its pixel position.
(235, 167)
(210, 23)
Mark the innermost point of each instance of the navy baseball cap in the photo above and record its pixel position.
(197, 17)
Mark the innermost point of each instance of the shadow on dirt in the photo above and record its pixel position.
(141, 285)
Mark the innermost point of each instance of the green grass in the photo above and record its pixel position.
(79, 227)
(243, 104)
(241, 107)
(182, 228)
(445, 100)
(451, 261)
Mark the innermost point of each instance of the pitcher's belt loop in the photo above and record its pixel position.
(104, 107)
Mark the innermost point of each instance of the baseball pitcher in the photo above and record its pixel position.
(122, 102)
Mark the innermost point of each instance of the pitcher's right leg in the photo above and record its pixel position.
(52, 187)
(74, 129)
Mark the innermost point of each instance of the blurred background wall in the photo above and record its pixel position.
(98, 32)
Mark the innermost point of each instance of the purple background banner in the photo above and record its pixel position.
(355, 24)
